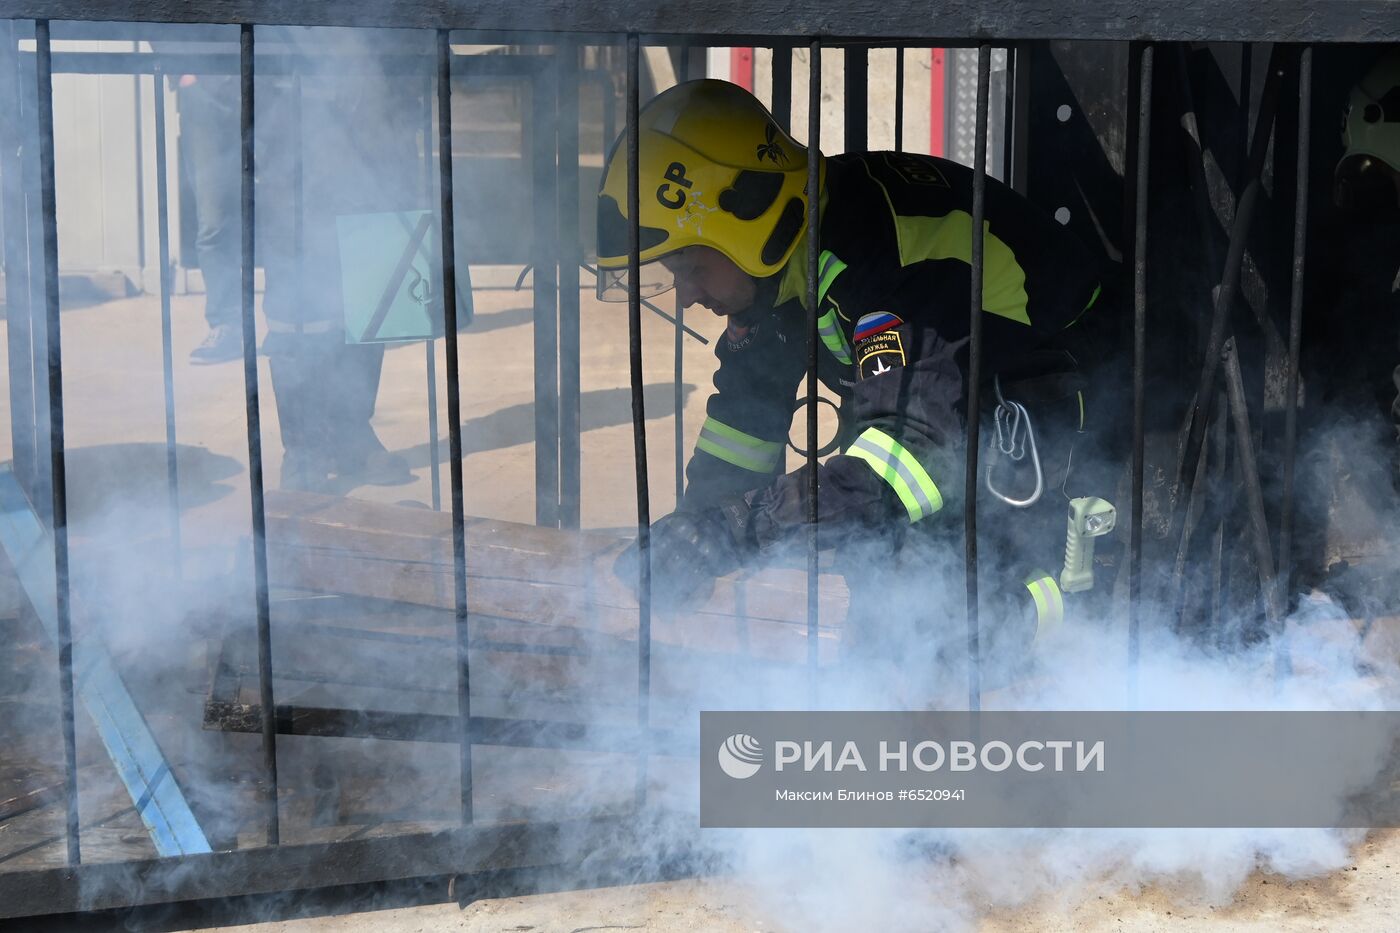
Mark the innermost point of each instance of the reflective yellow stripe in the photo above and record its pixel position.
(829, 267)
(833, 336)
(897, 467)
(742, 450)
(1049, 601)
(950, 237)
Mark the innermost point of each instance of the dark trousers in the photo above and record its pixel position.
(209, 140)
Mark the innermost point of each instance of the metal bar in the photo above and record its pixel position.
(284, 61)
(40, 486)
(974, 380)
(570, 324)
(255, 464)
(430, 345)
(1249, 475)
(544, 290)
(1140, 206)
(814, 228)
(1295, 324)
(15, 224)
(58, 476)
(899, 99)
(389, 725)
(782, 86)
(857, 98)
(639, 424)
(258, 870)
(454, 416)
(167, 360)
(1117, 20)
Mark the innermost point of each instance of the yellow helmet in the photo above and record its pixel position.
(1368, 176)
(715, 170)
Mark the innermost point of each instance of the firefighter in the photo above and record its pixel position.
(723, 219)
(1366, 191)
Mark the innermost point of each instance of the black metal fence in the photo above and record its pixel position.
(1150, 29)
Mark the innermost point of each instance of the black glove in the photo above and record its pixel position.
(690, 549)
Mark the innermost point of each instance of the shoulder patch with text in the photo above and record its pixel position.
(879, 348)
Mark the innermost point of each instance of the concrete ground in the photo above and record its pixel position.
(115, 435)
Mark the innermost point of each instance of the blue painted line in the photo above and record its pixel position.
(124, 731)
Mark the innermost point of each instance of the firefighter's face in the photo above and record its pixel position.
(707, 277)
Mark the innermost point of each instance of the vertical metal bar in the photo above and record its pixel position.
(255, 463)
(639, 429)
(454, 415)
(167, 360)
(139, 145)
(430, 345)
(974, 380)
(18, 306)
(1140, 194)
(42, 491)
(899, 99)
(857, 98)
(678, 388)
(570, 255)
(57, 467)
(782, 86)
(1295, 322)
(814, 157)
(546, 308)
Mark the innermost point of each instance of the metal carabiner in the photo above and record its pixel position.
(1009, 418)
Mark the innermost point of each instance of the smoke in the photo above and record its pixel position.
(158, 614)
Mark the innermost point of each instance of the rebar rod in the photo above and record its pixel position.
(639, 430)
(1140, 207)
(254, 420)
(1295, 323)
(446, 243)
(1249, 475)
(974, 381)
(167, 357)
(814, 125)
(58, 473)
(1224, 301)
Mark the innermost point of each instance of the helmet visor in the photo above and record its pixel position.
(614, 284)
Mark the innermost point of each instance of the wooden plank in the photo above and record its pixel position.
(541, 579)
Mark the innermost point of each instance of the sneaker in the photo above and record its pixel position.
(222, 345)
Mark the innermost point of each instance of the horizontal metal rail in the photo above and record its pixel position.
(659, 836)
(733, 20)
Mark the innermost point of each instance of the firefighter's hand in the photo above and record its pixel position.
(688, 551)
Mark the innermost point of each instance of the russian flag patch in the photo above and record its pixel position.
(871, 324)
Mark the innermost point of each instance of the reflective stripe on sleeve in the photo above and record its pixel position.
(742, 450)
(897, 466)
(828, 328)
(834, 338)
(1049, 601)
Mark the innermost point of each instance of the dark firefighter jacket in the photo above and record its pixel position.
(893, 320)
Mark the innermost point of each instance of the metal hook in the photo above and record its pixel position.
(1008, 419)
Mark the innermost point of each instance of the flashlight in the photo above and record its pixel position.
(1089, 518)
